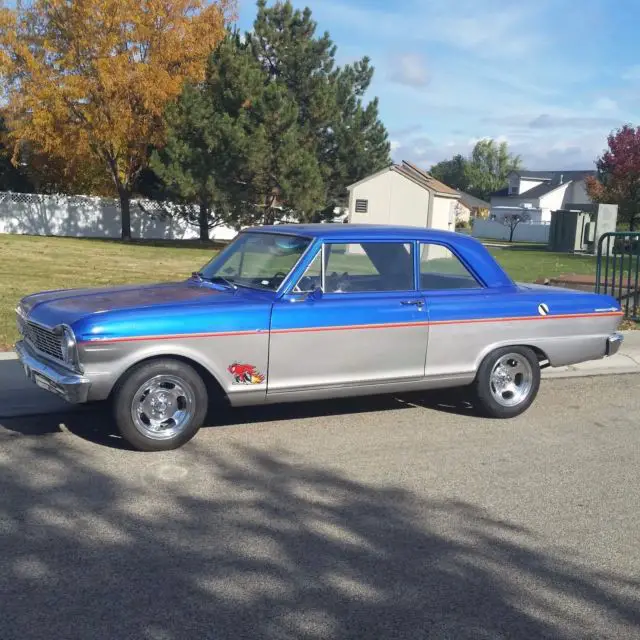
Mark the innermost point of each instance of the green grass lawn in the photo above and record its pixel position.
(31, 264)
(528, 263)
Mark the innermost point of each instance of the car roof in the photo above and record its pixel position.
(335, 231)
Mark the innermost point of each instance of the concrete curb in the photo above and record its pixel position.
(8, 355)
(553, 374)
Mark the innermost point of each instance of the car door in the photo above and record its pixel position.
(353, 318)
(458, 303)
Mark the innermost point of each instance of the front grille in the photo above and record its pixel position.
(44, 340)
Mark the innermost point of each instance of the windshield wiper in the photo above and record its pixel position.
(215, 280)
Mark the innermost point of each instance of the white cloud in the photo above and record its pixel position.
(496, 69)
(491, 29)
(605, 104)
(576, 150)
(409, 69)
(632, 73)
(473, 26)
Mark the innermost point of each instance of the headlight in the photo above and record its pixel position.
(69, 345)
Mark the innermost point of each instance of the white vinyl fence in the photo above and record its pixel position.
(524, 232)
(90, 217)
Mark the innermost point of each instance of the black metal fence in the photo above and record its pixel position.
(618, 268)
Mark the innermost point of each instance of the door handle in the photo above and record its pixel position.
(415, 303)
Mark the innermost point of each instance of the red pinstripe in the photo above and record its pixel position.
(394, 325)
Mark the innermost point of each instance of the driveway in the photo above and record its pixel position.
(384, 518)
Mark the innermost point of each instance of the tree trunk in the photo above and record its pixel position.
(512, 230)
(203, 222)
(125, 212)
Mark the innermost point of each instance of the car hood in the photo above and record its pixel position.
(67, 306)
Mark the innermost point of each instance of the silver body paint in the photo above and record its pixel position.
(404, 349)
(353, 362)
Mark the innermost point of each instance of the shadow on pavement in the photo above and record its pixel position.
(27, 410)
(258, 544)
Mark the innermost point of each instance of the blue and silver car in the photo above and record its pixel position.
(301, 312)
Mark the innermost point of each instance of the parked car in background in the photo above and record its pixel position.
(301, 312)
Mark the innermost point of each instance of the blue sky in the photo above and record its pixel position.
(552, 77)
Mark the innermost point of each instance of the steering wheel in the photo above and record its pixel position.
(306, 283)
(279, 274)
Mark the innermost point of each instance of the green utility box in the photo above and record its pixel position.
(577, 230)
(570, 231)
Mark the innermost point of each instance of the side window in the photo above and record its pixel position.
(312, 278)
(368, 267)
(440, 269)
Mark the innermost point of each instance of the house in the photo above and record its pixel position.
(470, 207)
(540, 193)
(403, 194)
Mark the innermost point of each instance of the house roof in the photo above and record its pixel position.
(417, 175)
(472, 202)
(552, 180)
(559, 176)
(537, 192)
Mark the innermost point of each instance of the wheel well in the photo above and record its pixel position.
(543, 360)
(542, 357)
(214, 388)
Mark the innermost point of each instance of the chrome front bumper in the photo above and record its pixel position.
(614, 342)
(71, 386)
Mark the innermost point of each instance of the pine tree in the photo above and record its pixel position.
(277, 130)
(268, 171)
(345, 135)
(356, 145)
(187, 164)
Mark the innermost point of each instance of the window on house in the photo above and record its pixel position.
(362, 206)
(515, 189)
(441, 269)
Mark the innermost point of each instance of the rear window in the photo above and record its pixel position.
(441, 269)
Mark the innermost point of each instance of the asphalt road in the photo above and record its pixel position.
(370, 519)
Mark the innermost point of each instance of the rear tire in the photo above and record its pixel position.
(507, 382)
(160, 405)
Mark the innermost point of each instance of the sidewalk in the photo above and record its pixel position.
(627, 360)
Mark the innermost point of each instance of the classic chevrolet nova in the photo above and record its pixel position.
(301, 312)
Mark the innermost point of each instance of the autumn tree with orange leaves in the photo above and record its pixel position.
(87, 81)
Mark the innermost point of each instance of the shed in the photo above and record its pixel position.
(403, 194)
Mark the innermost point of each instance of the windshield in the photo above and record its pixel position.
(257, 260)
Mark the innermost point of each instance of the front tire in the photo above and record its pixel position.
(507, 382)
(160, 405)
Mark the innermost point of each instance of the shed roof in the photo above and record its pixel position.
(417, 175)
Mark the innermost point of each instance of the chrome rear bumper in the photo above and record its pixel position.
(70, 386)
(614, 342)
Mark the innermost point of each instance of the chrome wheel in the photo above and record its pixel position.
(163, 407)
(511, 380)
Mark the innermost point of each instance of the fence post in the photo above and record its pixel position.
(626, 247)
